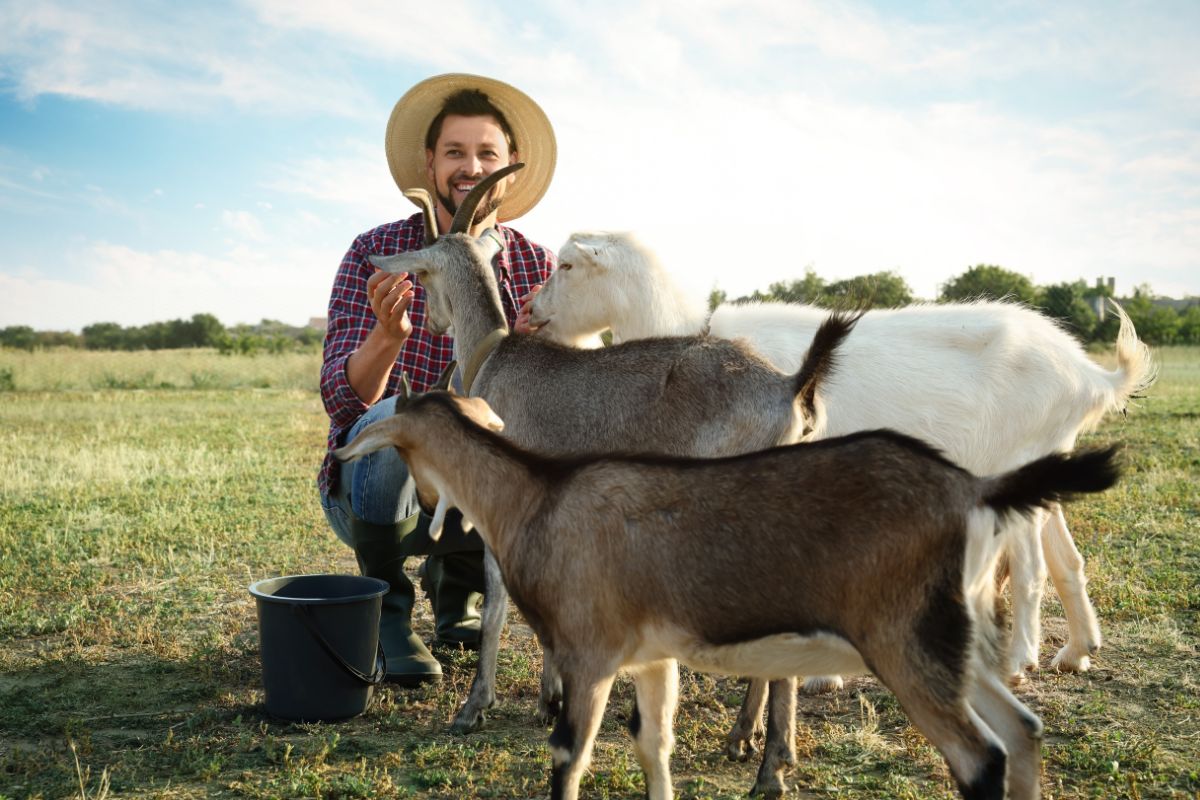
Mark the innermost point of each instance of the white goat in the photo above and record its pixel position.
(993, 385)
(891, 567)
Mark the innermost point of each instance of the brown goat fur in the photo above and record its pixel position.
(634, 562)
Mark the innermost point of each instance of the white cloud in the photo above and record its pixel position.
(177, 58)
(352, 177)
(759, 187)
(243, 224)
(133, 287)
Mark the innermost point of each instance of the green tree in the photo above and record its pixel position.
(878, 290)
(1160, 327)
(809, 289)
(18, 337)
(205, 330)
(1065, 302)
(991, 282)
(105, 336)
(1189, 325)
(715, 298)
(1155, 324)
(58, 339)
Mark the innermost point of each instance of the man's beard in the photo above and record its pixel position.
(482, 211)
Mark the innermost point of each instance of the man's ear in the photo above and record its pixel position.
(429, 168)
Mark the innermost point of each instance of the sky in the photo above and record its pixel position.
(160, 159)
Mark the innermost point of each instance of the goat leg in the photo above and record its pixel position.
(779, 750)
(1027, 568)
(652, 724)
(550, 697)
(483, 688)
(1066, 571)
(740, 744)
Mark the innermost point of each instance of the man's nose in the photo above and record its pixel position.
(473, 166)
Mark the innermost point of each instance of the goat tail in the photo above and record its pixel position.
(1052, 479)
(820, 359)
(1136, 370)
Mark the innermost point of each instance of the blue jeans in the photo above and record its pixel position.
(377, 488)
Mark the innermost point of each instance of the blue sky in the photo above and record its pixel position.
(160, 159)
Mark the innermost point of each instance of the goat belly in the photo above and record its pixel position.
(780, 655)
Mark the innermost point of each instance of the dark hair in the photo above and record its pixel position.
(468, 103)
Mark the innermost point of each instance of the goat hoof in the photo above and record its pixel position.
(466, 723)
(740, 749)
(823, 684)
(1066, 661)
(1016, 679)
(770, 788)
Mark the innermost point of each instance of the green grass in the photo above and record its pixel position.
(138, 502)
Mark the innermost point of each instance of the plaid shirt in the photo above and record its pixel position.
(522, 264)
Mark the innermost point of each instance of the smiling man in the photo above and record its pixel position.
(445, 135)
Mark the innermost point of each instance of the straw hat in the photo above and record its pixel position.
(410, 120)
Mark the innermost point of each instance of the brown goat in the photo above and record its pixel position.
(632, 563)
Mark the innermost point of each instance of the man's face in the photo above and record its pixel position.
(468, 149)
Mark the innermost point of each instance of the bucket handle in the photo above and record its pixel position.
(374, 679)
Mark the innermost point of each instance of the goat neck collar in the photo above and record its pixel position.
(480, 355)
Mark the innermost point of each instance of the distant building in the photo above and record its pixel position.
(1103, 291)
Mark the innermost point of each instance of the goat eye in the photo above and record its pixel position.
(565, 265)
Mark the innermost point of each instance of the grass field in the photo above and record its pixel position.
(142, 493)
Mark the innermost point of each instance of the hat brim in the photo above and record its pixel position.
(536, 146)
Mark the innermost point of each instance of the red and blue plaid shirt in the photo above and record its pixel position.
(522, 264)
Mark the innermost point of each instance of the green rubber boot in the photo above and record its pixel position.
(379, 553)
(454, 582)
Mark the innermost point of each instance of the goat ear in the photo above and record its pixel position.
(479, 412)
(443, 381)
(400, 262)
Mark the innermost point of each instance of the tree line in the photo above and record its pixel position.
(1072, 303)
(202, 330)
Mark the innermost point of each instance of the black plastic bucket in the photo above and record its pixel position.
(319, 641)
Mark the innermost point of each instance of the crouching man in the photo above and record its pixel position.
(446, 134)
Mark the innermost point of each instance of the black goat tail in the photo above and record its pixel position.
(1052, 479)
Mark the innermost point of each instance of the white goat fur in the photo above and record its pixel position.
(994, 385)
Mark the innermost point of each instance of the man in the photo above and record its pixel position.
(445, 134)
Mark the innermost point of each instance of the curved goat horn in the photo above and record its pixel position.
(423, 201)
(466, 211)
